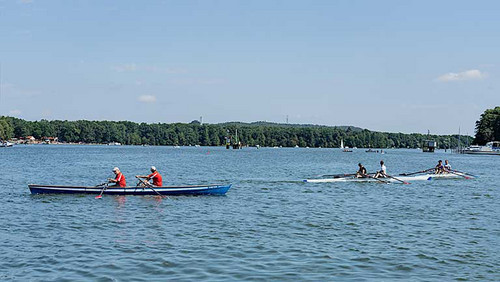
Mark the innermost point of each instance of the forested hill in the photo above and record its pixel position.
(260, 133)
(273, 124)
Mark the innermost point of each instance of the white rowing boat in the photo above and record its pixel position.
(422, 177)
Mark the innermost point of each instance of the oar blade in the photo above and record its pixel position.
(98, 197)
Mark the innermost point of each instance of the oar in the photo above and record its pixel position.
(404, 182)
(464, 173)
(102, 191)
(337, 175)
(422, 171)
(379, 180)
(464, 176)
(341, 175)
(149, 186)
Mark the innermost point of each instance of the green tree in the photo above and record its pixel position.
(488, 126)
(6, 130)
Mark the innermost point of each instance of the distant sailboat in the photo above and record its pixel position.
(344, 149)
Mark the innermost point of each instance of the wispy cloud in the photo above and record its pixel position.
(465, 75)
(14, 112)
(125, 67)
(147, 99)
(26, 1)
(189, 81)
(134, 67)
(9, 89)
(164, 70)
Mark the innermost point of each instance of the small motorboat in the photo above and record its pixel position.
(6, 144)
(491, 148)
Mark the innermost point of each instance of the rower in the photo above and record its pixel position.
(119, 179)
(383, 171)
(155, 175)
(439, 168)
(447, 166)
(361, 173)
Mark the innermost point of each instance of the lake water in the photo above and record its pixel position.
(269, 226)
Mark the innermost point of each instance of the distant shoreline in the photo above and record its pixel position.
(383, 150)
(259, 134)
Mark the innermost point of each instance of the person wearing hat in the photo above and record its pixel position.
(155, 175)
(119, 179)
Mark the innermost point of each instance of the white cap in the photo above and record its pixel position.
(116, 168)
(153, 168)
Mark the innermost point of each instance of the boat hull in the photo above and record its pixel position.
(423, 177)
(469, 152)
(215, 189)
(491, 148)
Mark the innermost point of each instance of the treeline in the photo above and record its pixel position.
(488, 127)
(182, 134)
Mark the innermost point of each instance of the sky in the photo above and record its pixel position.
(393, 66)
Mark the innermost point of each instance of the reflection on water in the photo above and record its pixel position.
(120, 201)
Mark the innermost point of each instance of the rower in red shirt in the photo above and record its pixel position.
(119, 179)
(155, 175)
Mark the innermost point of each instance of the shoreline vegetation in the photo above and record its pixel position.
(259, 134)
(488, 126)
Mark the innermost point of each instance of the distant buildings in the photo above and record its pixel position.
(33, 140)
(50, 140)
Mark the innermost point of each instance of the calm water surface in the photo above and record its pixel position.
(269, 226)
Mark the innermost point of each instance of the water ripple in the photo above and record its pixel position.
(270, 226)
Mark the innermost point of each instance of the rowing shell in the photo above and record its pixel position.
(214, 189)
(403, 178)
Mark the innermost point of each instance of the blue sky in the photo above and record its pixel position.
(398, 66)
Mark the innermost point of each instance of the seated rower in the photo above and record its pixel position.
(383, 171)
(361, 173)
(447, 166)
(155, 175)
(119, 179)
(439, 169)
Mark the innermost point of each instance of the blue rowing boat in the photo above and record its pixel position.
(213, 189)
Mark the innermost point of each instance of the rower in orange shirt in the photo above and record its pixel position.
(155, 175)
(119, 179)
